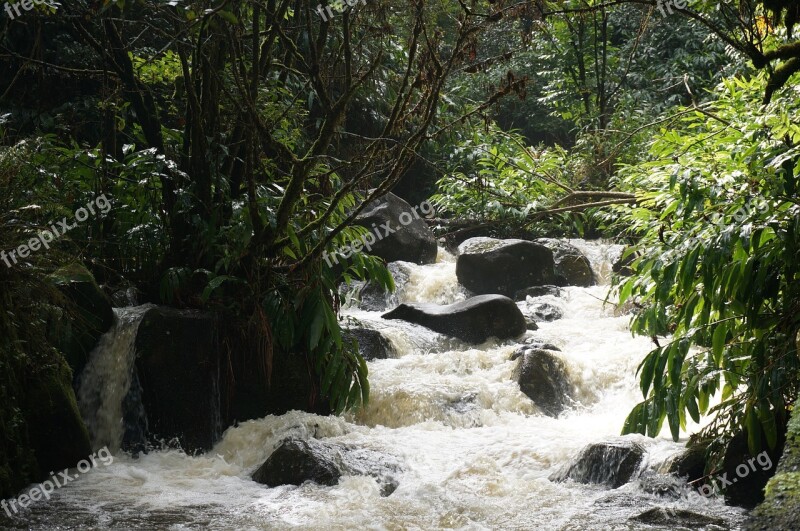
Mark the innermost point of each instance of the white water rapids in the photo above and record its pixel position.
(475, 452)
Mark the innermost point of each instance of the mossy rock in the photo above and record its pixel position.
(57, 433)
(75, 331)
(781, 507)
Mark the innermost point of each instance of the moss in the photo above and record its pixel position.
(784, 484)
(57, 433)
(781, 507)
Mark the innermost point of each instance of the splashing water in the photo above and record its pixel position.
(476, 452)
(106, 380)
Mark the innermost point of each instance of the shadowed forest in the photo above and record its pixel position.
(226, 191)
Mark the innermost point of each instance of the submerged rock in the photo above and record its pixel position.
(537, 291)
(474, 320)
(489, 265)
(612, 463)
(571, 266)
(408, 239)
(671, 518)
(372, 345)
(542, 376)
(296, 461)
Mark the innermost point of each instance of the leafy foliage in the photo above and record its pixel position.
(717, 267)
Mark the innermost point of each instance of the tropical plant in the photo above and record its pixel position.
(717, 266)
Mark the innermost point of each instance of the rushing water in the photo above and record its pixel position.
(475, 452)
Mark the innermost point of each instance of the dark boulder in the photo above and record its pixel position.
(690, 464)
(571, 266)
(77, 329)
(487, 265)
(537, 291)
(56, 432)
(474, 320)
(669, 518)
(612, 463)
(543, 312)
(408, 239)
(745, 472)
(199, 374)
(372, 345)
(543, 377)
(178, 368)
(296, 461)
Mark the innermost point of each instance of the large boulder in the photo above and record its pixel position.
(572, 267)
(474, 320)
(76, 329)
(400, 231)
(488, 265)
(178, 368)
(199, 374)
(57, 434)
(748, 474)
(296, 461)
(690, 464)
(543, 376)
(372, 345)
(612, 463)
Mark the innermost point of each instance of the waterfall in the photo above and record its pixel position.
(109, 394)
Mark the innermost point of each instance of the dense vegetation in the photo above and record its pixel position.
(237, 141)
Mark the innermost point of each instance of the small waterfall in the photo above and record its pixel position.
(109, 394)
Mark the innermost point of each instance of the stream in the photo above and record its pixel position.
(475, 452)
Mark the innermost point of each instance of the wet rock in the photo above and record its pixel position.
(372, 345)
(537, 291)
(572, 268)
(55, 429)
(672, 518)
(689, 464)
(474, 320)
(542, 376)
(530, 323)
(409, 237)
(612, 463)
(178, 367)
(543, 311)
(371, 297)
(296, 461)
(662, 485)
(747, 488)
(199, 375)
(488, 265)
(535, 343)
